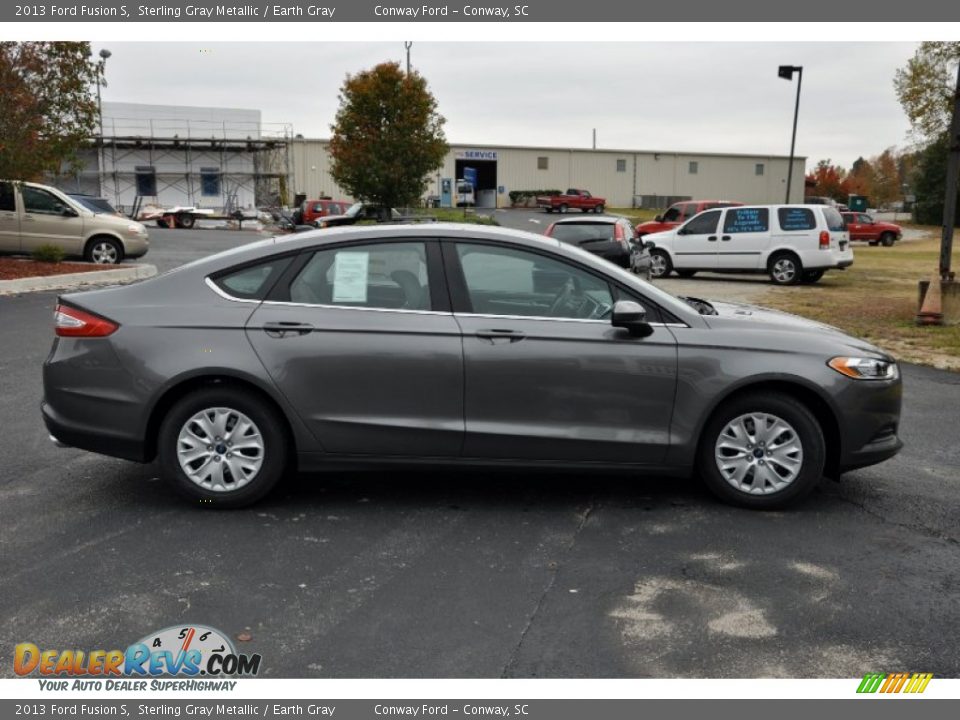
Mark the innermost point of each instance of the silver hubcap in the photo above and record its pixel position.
(220, 449)
(658, 266)
(104, 253)
(784, 270)
(759, 453)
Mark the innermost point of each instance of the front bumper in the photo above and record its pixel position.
(869, 422)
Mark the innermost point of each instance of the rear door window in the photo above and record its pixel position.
(251, 282)
(746, 220)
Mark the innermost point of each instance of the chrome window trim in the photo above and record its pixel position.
(213, 286)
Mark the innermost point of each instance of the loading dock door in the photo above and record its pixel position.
(486, 179)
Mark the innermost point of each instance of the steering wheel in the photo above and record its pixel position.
(565, 292)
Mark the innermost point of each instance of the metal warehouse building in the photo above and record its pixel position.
(626, 178)
(227, 158)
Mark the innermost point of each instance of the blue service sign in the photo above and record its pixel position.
(476, 154)
(501, 189)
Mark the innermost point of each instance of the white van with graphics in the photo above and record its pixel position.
(791, 243)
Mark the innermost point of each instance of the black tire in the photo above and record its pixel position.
(686, 273)
(888, 239)
(275, 446)
(806, 428)
(660, 264)
(99, 248)
(599, 209)
(812, 276)
(162, 223)
(778, 270)
(185, 220)
(562, 209)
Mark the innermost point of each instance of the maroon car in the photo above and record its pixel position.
(863, 227)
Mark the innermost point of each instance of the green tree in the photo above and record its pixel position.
(926, 85)
(929, 181)
(47, 107)
(388, 136)
(886, 183)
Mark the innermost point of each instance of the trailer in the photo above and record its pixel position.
(181, 217)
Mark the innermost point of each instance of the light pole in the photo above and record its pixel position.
(408, 45)
(786, 72)
(101, 80)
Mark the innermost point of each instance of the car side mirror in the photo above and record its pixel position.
(630, 316)
(658, 218)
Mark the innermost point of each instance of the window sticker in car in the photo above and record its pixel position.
(350, 274)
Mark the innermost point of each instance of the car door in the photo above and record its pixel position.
(48, 220)
(547, 378)
(361, 341)
(9, 218)
(867, 228)
(744, 239)
(696, 242)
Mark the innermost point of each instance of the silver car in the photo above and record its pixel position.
(33, 215)
(456, 345)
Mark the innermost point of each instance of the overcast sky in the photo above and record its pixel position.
(723, 97)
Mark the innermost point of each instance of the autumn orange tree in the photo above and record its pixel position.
(47, 107)
(388, 136)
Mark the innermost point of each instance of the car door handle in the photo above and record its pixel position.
(726, 237)
(499, 334)
(287, 329)
(712, 238)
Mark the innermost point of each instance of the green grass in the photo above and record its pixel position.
(876, 299)
(457, 215)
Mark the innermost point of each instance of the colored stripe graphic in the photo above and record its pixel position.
(894, 683)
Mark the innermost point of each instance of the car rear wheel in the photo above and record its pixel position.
(660, 265)
(785, 269)
(562, 209)
(103, 251)
(222, 447)
(185, 220)
(887, 239)
(599, 209)
(762, 451)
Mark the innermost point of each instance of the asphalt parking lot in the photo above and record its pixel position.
(482, 574)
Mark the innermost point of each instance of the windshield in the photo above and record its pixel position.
(582, 232)
(97, 205)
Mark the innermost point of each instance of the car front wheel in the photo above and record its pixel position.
(103, 251)
(660, 265)
(222, 446)
(762, 451)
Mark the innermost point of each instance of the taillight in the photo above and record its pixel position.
(549, 231)
(620, 237)
(70, 322)
(824, 240)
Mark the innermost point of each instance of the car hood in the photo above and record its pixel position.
(662, 235)
(804, 333)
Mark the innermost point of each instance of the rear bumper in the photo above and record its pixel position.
(65, 433)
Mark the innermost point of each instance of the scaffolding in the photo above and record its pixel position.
(247, 163)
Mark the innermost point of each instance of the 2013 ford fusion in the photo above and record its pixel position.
(453, 345)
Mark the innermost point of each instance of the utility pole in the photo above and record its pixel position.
(101, 80)
(408, 45)
(594, 138)
(950, 202)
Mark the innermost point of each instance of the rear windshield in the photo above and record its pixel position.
(834, 219)
(580, 232)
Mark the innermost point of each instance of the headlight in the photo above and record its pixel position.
(134, 228)
(860, 368)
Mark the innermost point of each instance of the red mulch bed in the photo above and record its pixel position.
(13, 268)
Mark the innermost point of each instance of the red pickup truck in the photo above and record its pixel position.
(572, 199)
(679, 213)
(863, 227)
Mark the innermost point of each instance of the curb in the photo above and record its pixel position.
(77, 281)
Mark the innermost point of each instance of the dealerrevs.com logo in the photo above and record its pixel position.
(179, 651)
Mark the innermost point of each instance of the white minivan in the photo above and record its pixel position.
(791, 243)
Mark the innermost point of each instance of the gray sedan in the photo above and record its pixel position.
(453, 345)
